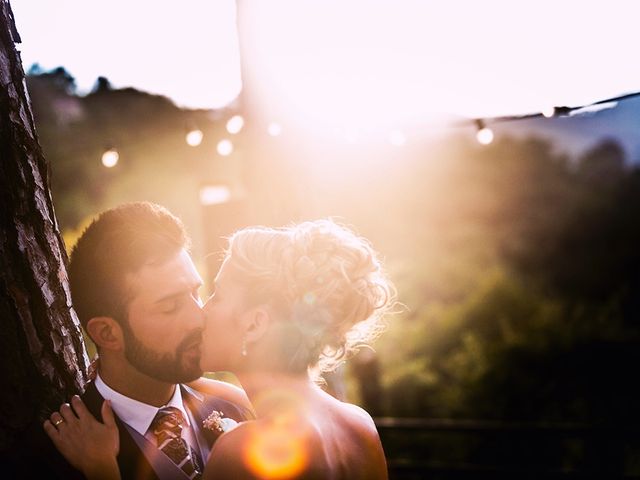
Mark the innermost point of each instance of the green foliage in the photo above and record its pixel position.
(542, 323)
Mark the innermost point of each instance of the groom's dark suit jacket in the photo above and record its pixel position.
(39, 458)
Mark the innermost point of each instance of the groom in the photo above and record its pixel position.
(135, 290)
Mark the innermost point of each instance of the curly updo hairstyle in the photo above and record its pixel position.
(325, 283)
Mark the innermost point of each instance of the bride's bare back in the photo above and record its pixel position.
(324, 439)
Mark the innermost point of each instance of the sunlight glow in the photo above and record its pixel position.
(387, 64)
(235, 124)
(397, 138)
(274, 129)
(225, 147)
(110, 158)
(194, 137)
(383, 63)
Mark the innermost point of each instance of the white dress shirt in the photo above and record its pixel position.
(139, 415)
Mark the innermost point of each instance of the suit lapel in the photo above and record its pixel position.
(200, 406)
(194, 402)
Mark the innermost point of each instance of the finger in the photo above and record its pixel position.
(67, 413)
(51, 431)
(56, 419)
(80, 408)
(108, 417)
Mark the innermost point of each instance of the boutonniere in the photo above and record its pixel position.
(217, 422)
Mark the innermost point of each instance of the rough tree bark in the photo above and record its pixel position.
(43, 358)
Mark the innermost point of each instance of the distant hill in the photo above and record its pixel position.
(577, 133)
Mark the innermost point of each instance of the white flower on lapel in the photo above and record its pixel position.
(218, 423)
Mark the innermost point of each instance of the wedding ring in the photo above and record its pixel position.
(58, 422)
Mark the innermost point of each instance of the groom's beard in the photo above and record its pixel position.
(182, 367)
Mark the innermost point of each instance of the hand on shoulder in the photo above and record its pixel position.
(89, 445)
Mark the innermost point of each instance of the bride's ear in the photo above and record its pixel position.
(256, 324)
(106, 333)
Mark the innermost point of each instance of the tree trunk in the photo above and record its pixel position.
(43, 358)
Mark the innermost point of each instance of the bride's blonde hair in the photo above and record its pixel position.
(323, 280)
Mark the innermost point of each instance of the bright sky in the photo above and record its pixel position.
(363, 61)
(186, 50)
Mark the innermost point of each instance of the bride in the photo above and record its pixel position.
(289, 304)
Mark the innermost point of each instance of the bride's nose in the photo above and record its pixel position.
(207, 304)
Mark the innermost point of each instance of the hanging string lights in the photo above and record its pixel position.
(484, 134)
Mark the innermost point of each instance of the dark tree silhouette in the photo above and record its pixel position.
(43, 356)
(102, 85)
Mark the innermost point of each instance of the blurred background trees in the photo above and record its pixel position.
(518, 263)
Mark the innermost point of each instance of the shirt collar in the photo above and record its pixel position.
(136, 414)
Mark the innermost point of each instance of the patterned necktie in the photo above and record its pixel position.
(167, 426)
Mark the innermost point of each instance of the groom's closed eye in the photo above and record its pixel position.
(171, 303)
(169, 306)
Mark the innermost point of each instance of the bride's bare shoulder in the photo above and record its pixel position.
(220, 389)
(359, 418)
(227, 459)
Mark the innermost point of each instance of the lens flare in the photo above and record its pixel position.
(277, 450)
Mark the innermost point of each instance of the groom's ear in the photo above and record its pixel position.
(106, 333)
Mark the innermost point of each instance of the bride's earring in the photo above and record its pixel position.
(243, 352)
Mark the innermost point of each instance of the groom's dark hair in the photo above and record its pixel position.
(118, 242)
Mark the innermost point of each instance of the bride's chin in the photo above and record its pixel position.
(213, 365)
(205, 364)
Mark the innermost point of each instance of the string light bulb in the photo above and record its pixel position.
(235, 124)
(225, 147)
(549, 111)
(110, 157)
(194, 137)
(484, 135)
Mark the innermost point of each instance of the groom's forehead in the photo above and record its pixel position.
(172, 276)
